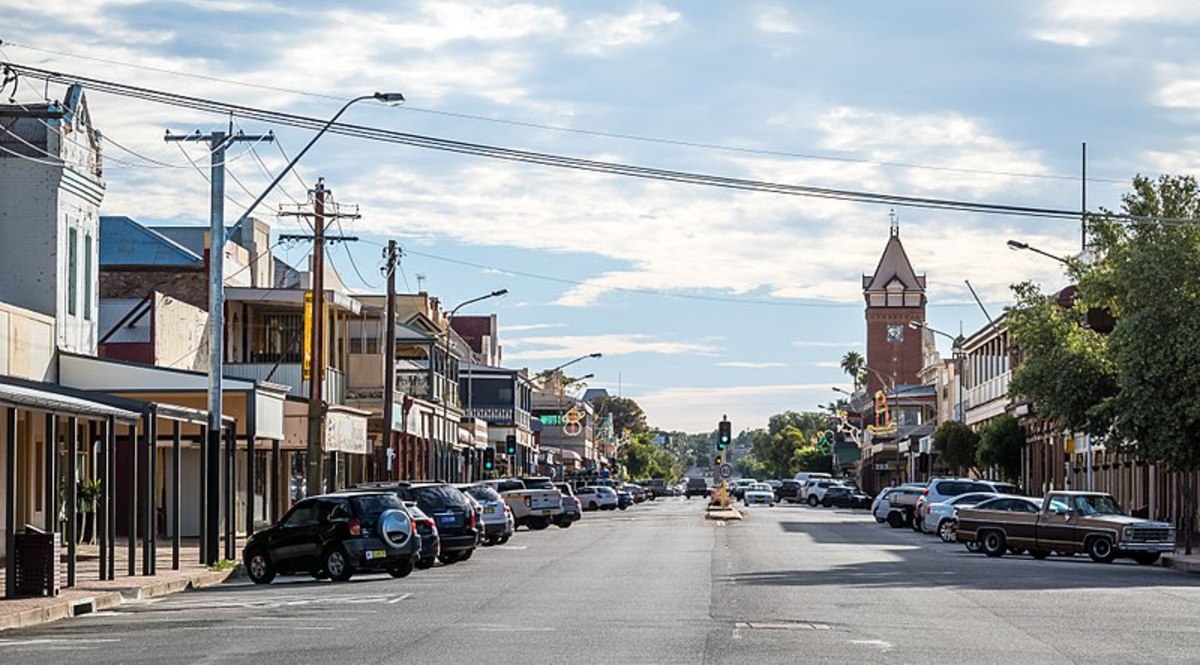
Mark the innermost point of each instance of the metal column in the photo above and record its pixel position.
(175, 495)
(10, 502)
(52, 475)
(203, 444)
(230, 489)
(251, 463)
(132, 524)
(102, 500)
(150, 436)
(110, 512)
(276, 476)
(72, 496)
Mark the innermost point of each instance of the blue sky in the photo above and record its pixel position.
(996, 97)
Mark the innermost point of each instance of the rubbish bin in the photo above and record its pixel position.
(37, 562)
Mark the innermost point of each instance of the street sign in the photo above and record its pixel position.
(725, 471)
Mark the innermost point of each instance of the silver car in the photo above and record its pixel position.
(497, 517)
(939, 516)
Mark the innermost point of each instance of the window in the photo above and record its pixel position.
(72, 270)
(87, 277)
(304, 514)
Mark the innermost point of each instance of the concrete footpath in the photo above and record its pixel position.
(1183, 562)
(91, 594)
(723, 514)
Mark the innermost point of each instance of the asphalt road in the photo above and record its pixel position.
(659, 584)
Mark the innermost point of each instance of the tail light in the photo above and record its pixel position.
(471, 522)
(429, 523)
(928, 509)
(412, 528)
(507, 509)
(926, 492)
(355, 527)
(528, 501)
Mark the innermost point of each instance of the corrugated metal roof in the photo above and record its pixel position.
(125, 242)
(135, 331)
(56, 399)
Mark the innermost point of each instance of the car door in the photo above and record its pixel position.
(298, 541)
(1056, 528)
(1021, 523)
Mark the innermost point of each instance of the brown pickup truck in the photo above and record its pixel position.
(1068, 522)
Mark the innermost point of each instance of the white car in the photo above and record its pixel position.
(759, 493)
(814, 490)
(596, 497)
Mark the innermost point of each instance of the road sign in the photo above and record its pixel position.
(725, 471)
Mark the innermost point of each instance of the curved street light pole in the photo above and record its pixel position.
(959, 362)
(446, 369)
(1017, 245)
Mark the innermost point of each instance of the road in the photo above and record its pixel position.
(659, 584)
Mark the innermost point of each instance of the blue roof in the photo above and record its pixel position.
(125, 242)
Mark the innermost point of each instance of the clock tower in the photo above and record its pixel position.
(895, 295)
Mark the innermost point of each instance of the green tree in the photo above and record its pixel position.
(626, 413)
(749, 467)
(855, 365)
(812, 459)
(1000, 445)
(955, 445)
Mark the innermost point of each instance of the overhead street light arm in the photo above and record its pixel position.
(1017, 245)
(572, 362)
(956, 339)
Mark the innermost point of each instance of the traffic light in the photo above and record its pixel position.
(723, 434)
(717, 461)
(510, 444)
(489, 459)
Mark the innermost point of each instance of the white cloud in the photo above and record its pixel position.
(573, 346)
(601, 35)
(743, 364)
(833, 364)
(531, 326)
(1085, 23)
(692, 408)
(827, 345)
(775, 20)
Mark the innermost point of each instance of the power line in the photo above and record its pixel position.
(591, 132)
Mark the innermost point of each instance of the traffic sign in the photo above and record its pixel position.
(725, 471)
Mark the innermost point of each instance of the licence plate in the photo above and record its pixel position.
(547, 512)
(376, 554)
(446, 519)
(488, 510)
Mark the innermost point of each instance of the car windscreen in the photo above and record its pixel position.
(538, 483)
(435, 498)
(481, 493)
(372, 506)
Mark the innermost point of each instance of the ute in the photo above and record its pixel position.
(534, 507)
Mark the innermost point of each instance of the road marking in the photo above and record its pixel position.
(56, 640)
(515, 548)
(399, 598)
(879, 644)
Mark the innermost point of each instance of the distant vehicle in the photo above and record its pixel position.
(840, 496)
(498, 523)
(898, 508)
(738, 488)
(814, 490)
(572, 512)
(805, 476)
(939, 517)
(696, 487)
(940, 489)
(758, 493)
(535, 507)
(788, 491)
(449, 508)
(336, 535)
(635, 490)
(597, 497)
(427, 530)
(658, 487)
(624, 499)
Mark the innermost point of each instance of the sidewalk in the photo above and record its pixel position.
(90, 594)
(1183, 562)
(722, 514)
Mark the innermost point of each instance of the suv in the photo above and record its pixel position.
(449, 508)
(940, 489)
(788, 490)
(696, 487)
(571, 510)
(336, 535)
(814, 490)
(597, 497)
(497, 519)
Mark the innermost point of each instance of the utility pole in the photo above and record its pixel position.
(217, 143)
(314, 476)
(389, 365)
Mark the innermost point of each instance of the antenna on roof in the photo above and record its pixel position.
(895, 222)
(420, 282)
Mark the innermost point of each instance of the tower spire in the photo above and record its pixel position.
(895, 222)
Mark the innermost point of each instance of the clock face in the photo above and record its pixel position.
(895, 333)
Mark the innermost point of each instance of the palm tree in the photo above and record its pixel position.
(854, 364)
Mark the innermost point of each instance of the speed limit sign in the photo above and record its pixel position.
(726, 471)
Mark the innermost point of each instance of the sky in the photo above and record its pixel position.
(703, 301)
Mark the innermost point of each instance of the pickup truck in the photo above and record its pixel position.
(535, 508)
(696, 487)
(1067, 523)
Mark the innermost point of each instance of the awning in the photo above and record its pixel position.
(55, 399)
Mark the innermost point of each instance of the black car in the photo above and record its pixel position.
(453, 514)
(427, 530)
(696, 487)
(845, 497)
(336, 535)
(788, 490)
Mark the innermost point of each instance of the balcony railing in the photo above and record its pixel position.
(290, 375)
(992, 389)
(499, 415)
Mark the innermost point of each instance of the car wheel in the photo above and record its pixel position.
(426, 563)
(319, 574)
(592, 506)
(466, 554)
(915, 525)
(337, 564)
(1100, 549)
(895, 519)
(1146, 558)
(402, 569)
(448, 558)
(1016, 551)
(994, 544)
(259, 568)
(503, 539)
(812, 501)
(972, 546)
(539, 524)
(879, 519)
(564, 523)
(1039, 554)
(946, 531)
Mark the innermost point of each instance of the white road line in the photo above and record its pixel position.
(399, 598)
(57, 640)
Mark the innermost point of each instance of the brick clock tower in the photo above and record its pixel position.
(894, 295)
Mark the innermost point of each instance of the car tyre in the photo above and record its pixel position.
(401, 569)
(973, 546)
(946, 532)
(994, 544)
(503, 539)
(593, 506)
(539, 524)
(1101, 549)
(1146, 558)
(1039, 554)
(426, 563)
(337, 564)
(812, 502)
(449, 558)
(319, 574)
(259, 568)
(915, 525)
(466, 554)
(895, 519)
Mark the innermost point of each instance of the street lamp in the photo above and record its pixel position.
(572, 362)
(449, 320)
(216, 313)
(1017, 245)
(959, 358)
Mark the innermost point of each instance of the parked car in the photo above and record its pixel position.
(336, 535)
(939, 517)
(940, 489)
(737, 489)
(427, 530)
(449, 508)
(534, 507)
(841, 496)
(635, 491)
(900, 505)
(1067, 522)
(597, 497)
(814, 490)
(805, 476)
(658, 487)
(497, 519)
(624, 499)
(571, 510)
(696, 487)
(788, 491)
(758, 493)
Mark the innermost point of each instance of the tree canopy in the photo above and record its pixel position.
(626, 413)
(955, 445)
(1000, 445)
